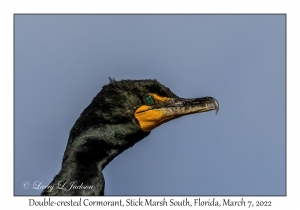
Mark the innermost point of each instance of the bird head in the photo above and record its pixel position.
(146, 103)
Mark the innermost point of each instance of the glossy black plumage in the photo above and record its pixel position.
(105, 129)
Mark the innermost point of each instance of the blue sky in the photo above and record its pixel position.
(62, 61)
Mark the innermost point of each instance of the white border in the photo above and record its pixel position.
(8, 8)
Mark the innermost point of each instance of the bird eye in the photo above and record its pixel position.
(149, 100)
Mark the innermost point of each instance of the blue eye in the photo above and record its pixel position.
(149, 100)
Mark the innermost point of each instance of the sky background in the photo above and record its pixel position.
(62, 62)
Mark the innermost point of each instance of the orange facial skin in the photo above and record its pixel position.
(151, 118)
(165, 109)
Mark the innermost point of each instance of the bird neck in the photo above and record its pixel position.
(102, 144)
(89, 152)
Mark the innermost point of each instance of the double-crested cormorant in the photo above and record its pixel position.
(121, 114)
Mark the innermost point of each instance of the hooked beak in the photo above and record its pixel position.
(151, 117)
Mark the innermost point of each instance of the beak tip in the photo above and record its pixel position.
(216, 105)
